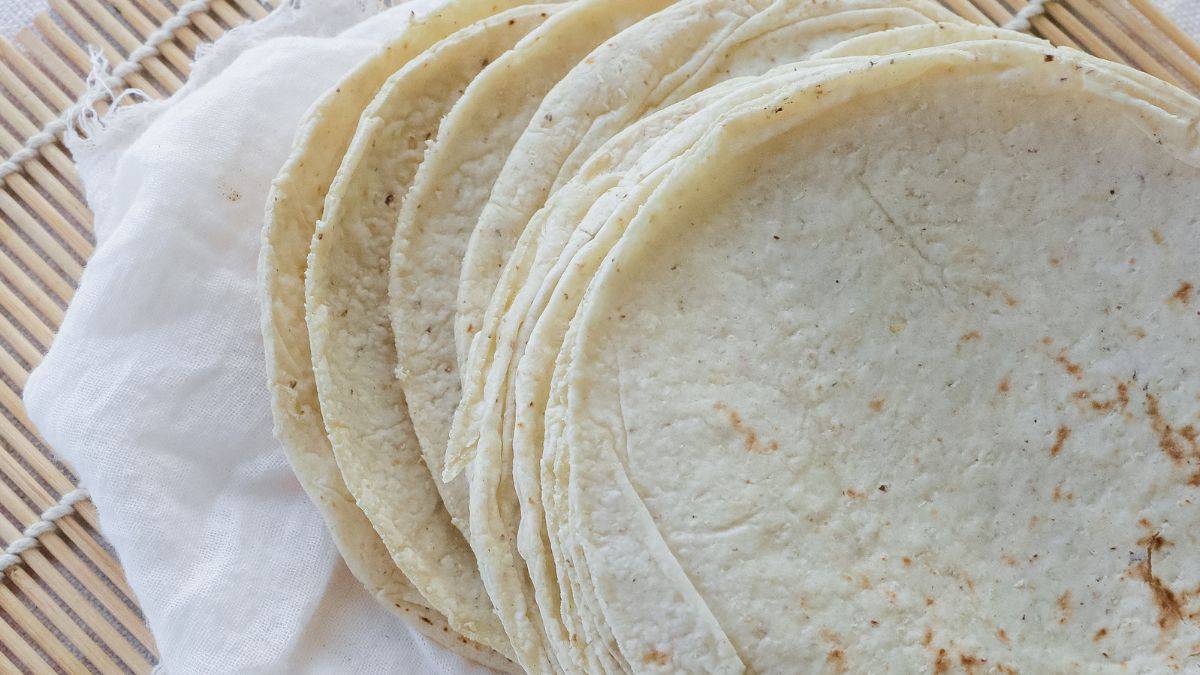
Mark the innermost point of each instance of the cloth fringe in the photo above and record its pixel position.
(101, 86)
(1021, 21)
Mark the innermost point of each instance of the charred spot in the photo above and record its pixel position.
(749, 435)
(969, 337)
(1064, 607)
(656, 657)
(1157, 237)
(1004, 386)
(970, 662)
(1060, 437)
(1002, 635)
(941, 663)
(876, 404)
(1100, 635)
(1072, 369)
(389, 199)
(1183, 294)
(1170, 610)
(1168, 437)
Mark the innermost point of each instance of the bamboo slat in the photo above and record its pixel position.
(67, 607)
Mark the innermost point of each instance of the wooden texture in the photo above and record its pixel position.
(67, 608)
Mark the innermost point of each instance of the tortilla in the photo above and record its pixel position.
(566, 210)
(664, 59)
(349, 333)
(434, 223)
(830, 357)
(293, 207)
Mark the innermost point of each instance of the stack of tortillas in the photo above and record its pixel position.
(749, 335)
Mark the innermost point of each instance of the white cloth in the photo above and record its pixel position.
(1186, 13)
(155, 390)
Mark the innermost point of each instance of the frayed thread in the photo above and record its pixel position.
(29, 538)
(101, 87)
(1021, 21)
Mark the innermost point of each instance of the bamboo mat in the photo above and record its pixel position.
(65, 605)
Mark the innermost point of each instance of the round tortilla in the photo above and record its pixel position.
(351, 345)
(293, 207)
(826, 404)
(552, 227)
(665, 58)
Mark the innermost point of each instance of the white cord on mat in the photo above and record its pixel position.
(1021, 20)
(29, 538)
(49, 133)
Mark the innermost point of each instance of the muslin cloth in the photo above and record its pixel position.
(155, 388)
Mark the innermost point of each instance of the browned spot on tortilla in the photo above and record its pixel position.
(1121, 400)
(906, 560)
(1072, 368)
(1010, 300)
(876, 404)
(1100, 635)
(969, 337)
(836, 659)
(1005, 670)
(941, 664)
(1184, 293)
(1139, 332)
(1064, 607)
(928, 637)
(1167, 441)
(1157, 237)
(1054, 262)
(929, 601)
(656, 657)
(1047, 340)
(971, 662)
(1060, 437)
(749, 435)
(1153, 541)
(1170, 611)
(427, 621)
(1004, 385)
(1009, 560)
(1033, 521)
(1002, 635)
(853, 494)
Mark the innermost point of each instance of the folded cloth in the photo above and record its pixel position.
(155, 387)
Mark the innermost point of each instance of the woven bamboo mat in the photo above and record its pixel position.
(65, 605)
